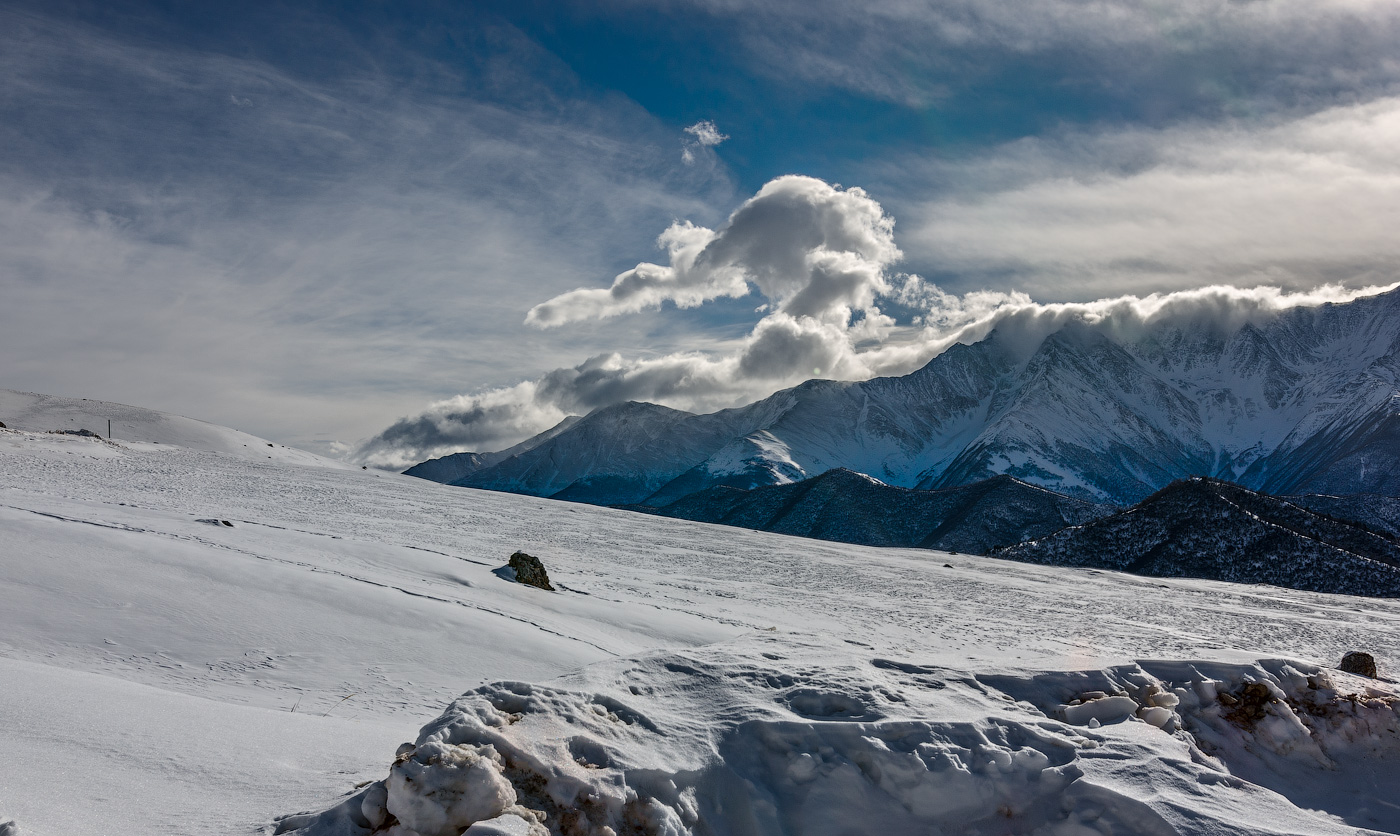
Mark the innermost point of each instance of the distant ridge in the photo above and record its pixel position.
(1378, 513)
(457, 466)
(849, 507)
(448, 468)
(1206, 528)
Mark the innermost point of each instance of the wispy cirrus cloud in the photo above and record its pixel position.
(1291, 202)
(1148, 59)
(301, 254)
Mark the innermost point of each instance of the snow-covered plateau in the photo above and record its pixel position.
(203, 634)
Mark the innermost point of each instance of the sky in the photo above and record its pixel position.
(388, 231)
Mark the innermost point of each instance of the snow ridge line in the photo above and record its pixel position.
(1301, 534)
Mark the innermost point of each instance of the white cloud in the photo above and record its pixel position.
(706, 133)
(809, 248)
(706, 136)
(783, 350)
(1228, 54)
(1292, 202)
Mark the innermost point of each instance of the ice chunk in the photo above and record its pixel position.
(1156, 716)
(506, 825)
(439, 789)
(1104, 709)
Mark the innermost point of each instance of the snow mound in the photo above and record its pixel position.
(35, 413)
(750, 737)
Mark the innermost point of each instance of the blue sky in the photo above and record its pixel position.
(318, 220)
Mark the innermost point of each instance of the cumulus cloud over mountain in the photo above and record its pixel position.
(822, 260)
(809, 248)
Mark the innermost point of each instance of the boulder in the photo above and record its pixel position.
(529, 570)
(1361, 664)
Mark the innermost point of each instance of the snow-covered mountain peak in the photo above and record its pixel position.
(1080, 406)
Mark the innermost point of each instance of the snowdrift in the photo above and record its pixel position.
(766, 736)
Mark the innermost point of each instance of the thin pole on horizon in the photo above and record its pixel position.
(109, 429)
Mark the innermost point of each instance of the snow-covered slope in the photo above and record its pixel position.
(850, 507)
(163, 672)
(1205, 528)
(133, 425)
(1304, 402)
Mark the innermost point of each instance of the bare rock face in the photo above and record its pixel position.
(529, 570)
(1361, 664)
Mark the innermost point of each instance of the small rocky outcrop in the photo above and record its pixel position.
(1249, 705)
(1361, 664)
(530, 571)
(3, 427)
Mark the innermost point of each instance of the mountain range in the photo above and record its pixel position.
(848, 507)
(1205, 528)
(1306, 401)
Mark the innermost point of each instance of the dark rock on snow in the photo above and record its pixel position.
(1361, 664)
(529, 571)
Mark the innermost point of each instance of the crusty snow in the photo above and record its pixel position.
(161, 671)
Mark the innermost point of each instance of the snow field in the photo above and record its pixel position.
(84, 754)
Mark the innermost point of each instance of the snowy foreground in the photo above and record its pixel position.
(162, 672)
